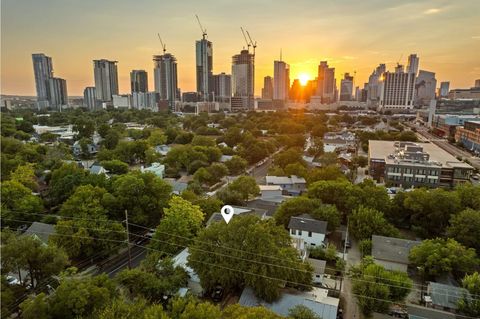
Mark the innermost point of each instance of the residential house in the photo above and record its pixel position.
(77, 148)
(333, 141)
(225, 158)
(193, 283)
(444, 297)
(292, 185)
(177, 186)
(392, 253)
(97, 169)
(318, 269)
(317, 300)
(239, 210)
(162, 149)
(307, 232)
(40, 231)
(272, 193)
(156, 168)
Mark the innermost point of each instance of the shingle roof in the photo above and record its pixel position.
(40, 230)
(392, 249)
(318, 265)
(307, 223)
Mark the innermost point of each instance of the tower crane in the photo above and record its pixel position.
(246, 41)
(164, 47)
(204, 31)
(254, 44)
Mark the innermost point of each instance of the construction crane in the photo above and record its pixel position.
(246, 41)
(204, 31)
(254, 44)
(164, 47)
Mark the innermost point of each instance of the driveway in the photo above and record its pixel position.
(351, 310)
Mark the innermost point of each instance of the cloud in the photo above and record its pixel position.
(432, 11)
(476, 37)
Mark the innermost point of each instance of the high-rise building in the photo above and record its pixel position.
(243, 75)
(204, 63)
(425, 87)
(57, 93)
(326, 83)
(90, 98)
(373, 89)
(139, 81)
(412, 66)
(281, 80)
(346, 88)
(222, 87)
(477, 83)
(397, 90)
(444, 89)
(145, 100)
(267, 90)
(165, 74)
(43, 71)
(106, 79)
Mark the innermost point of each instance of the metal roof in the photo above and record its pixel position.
(392, 249)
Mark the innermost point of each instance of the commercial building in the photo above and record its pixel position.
(43, 71)
(165, 76)
(106, 79)
(267, 90)
(425, 87)
(346, 88)
(243, 84)
(90, 98)
(465, 94)
(397, 90)
(122, 101)
(57, 93)
(445, 125)
(469, 135)
(412, 65)
(374, 86)
(407, 164)
(281, 80)
(139, 81)
(444, 89)
(145, 100)
(204, 65)
(222, 87)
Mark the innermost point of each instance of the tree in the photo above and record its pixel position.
(436, 257)
(237, 311)
(365, 222)
(125, 309)
(328, 158)
(203, 141)
(18, 203)
(25, 175)
(115, 167)
(85, 127)
(316, 148)
(296, 169)
(328, 213)
(233, 136)
(337, 192)
(236, 165)
(63, 182)
(294, 207)
(470, 303)
(30, 254)
(143, 195)
(181, 223)
(290, 156)
(210, 259)
(360, 160)
(111, 139)
(246, 186)
(327, 173)
(36, 307)
(302, 312)
(465, 228)
(469, 195)
(373, 286)
(157, 137)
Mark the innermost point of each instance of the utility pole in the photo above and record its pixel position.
(128, 242)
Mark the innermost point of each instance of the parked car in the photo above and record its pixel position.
(12, 281)
(217, 294)
(347, 244)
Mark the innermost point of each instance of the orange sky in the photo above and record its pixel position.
(351, 35)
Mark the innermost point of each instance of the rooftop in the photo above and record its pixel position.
(392, 249)
(40, 231)
(306, 222)
(445, 295)
(284, 180)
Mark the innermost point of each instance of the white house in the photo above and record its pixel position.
(292, 185)
(318, 269)
(307, 231)
(181, 260)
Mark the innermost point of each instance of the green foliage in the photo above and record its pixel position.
(182, 218)
(470, 303)
(25, 175)
(18, 203)
(328, 159)
(365, 222)
(374, 289)
(436, 257)
(295, 207)
(209, 259)
(137, 309)
(115, 167)
(203, 141)
(290, 156)
(302, 312)
(365, 247)
(327, 173)
(64, 181)
(236, 165)
(465, 228)
(328, 253)
(157, 137)
(246, 186)
(328, 213)
(469, 195)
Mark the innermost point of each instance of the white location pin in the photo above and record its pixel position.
(227, 212)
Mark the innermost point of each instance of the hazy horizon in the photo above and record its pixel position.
(351, 36)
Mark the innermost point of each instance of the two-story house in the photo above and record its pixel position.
(307, 232)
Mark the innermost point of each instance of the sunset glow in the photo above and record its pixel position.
(304, 78)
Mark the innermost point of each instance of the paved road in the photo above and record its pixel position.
(120, 261)
(351, 309)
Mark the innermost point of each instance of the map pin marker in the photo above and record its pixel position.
(227, 212)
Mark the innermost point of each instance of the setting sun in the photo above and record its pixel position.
(303, 77)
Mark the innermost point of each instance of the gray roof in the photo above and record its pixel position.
(324, 306)
(270, 207)
(41, 231)
(318, 265)
(392, 249)
(96, 168)
(445, 295)
(308, 223)
(238, 210)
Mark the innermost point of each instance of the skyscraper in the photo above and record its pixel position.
(373, 89)
(222, 87)
(139, 81)
(106, 79)
(444, 89)
(326, 83)
(267, 91)
(243, 75)
(397, 90)
(90, 98)
(57, 93)
(346, 88)
(412, 66)
(165, 74)
(425, 87)
(204, 63)
(281, 80)
(477, 83)
(43, 71)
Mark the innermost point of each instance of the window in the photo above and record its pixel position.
(294, 232)
(300, 233)
(309, 234)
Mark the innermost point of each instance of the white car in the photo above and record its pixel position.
(13, 281)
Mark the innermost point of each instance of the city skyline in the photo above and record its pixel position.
(444, 35)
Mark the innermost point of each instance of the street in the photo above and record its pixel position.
(351, 308)
(120, 262)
